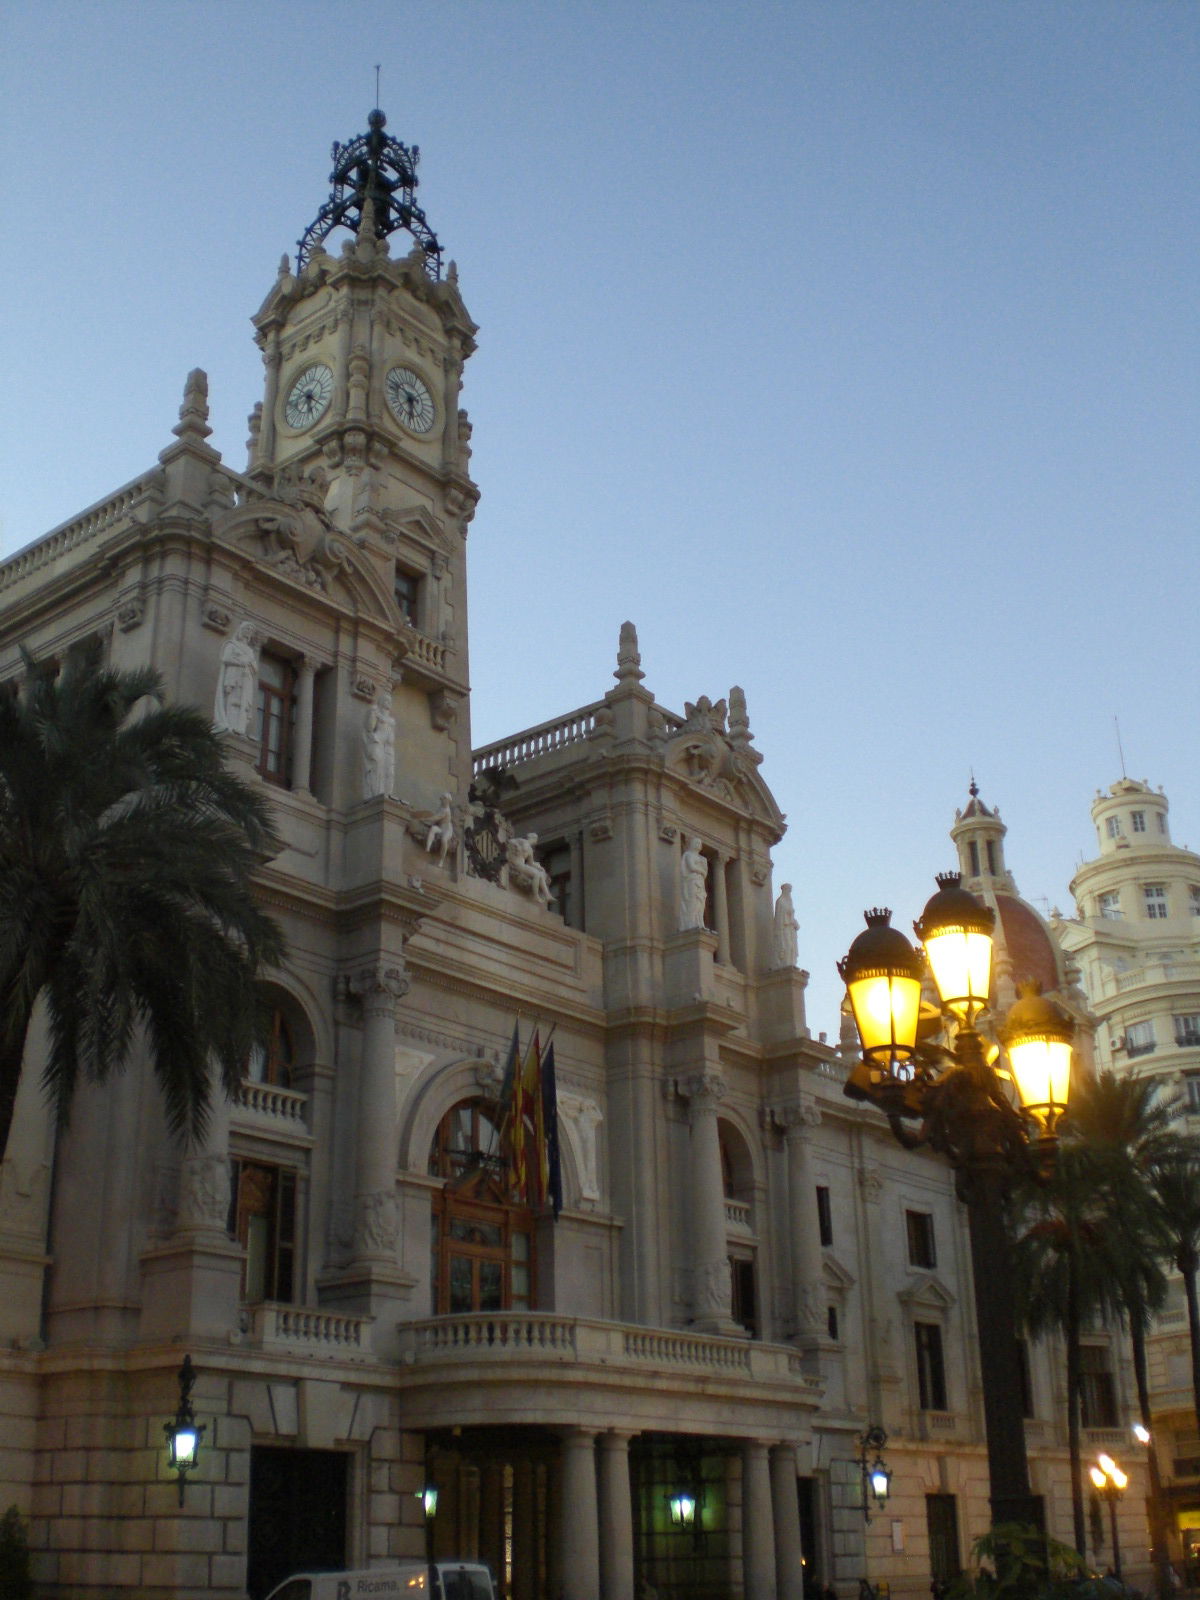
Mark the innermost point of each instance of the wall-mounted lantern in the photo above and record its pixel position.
(876, 1474)
(183, 1432)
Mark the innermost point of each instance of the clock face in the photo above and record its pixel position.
(409, 399)
(308, 397)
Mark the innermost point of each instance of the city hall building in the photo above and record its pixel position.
(660, 1387)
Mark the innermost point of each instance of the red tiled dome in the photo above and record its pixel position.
(1028, 944)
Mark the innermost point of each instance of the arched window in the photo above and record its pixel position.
(483, 1255)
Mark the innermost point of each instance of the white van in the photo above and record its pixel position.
(439, 1580)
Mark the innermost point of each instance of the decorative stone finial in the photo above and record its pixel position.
(254, 424)
(629, 660)
(193, 413)
(739, 721)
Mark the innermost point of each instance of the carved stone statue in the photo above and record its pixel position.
(784, 948)
(693, 886)
(237, 682)
(441, 836)
(526, 869)
(379, 746)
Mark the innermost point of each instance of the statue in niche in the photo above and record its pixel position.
(524, 867)
(379, 746)
(693, 886)
(784, 948)
(237, 682)
(441, 837)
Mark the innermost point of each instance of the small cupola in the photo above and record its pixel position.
(978, 835)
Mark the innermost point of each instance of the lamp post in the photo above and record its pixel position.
(1110, 1482)
(991, 1125)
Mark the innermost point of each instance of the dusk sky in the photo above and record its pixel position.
(848, 348)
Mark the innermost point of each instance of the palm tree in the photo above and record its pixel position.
(1124, 1127)
(1174, 1181)
(126, 850)
(1065, 1276)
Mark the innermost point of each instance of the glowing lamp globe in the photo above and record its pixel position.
(956, 931)
(882, 974)
(1037, 1037)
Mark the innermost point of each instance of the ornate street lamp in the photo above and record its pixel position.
(183, 1432)
(683, 1508)
(1111, 1483)
(876, 1474)
(967, 1113)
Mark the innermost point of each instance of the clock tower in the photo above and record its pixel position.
(364, 354)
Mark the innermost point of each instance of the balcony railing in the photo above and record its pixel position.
(296, 1331)
(269, 1100)
(549, 1341)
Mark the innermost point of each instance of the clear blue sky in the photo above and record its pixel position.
(848, 348)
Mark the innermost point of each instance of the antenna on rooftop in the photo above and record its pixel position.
(377, 83)
(1120, 751)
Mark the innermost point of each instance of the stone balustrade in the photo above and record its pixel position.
(269, 1100)
(519, 1336)
(313, 1333)
(737, 1214)
(539, 741)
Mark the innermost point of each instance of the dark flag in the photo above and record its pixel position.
(553, 1166)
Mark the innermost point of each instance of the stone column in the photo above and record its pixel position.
(720, 906)
(808, 1288)
(789, 1571)
(616, 1518)
(302, 748)
(377, 988)
(580, 1541)
(524, 1531)
(758, 1534)
(711, 1300)
(266, 434)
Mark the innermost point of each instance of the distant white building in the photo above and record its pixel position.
(1136, 938)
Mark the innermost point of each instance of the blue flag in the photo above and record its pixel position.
(553, 1169)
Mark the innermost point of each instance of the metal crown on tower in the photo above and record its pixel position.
(381, 171)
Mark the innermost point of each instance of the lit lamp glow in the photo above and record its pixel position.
(683, 1508)
(428, 1497)
(183, 1432)
(956, 931)
(882, 974)
(1037, 1037)
(1111, 1482)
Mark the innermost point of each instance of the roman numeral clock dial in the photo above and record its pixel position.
(308, 397)
(409, 400)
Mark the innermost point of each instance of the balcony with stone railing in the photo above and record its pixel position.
(282, 1109)
(551, 1349)
(548, 737)
(295, 1331)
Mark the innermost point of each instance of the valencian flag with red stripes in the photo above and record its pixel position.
(530, 1125)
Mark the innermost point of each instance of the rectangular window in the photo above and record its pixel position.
(1192, 1086)
(1113, 826)
(407, 590)
(1097, 1396)
(1194, 900)
(831, 1321)
(1162, 823)
(1138, 820)
(744, 1306)
(276, 718)
(1187, 1031)
(931, 1371)
(1109, 905)
(1139, 1039)
(941, 1524)
(824, 1215)
(1155, 895)
(556, 858)
(921, 1249)
(263, 1222)
(991, 856)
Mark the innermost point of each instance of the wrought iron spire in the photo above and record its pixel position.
(376, 174)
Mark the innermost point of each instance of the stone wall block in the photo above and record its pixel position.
(379, 1477)
(70, 1466)
(190, 1534)
(385, 1445)
(412, 1449)
(385, 1508)
(47, 1500)
(229, 1500)
(44, 1566)
(235, 1537)
(228, 1572)
(237, 1466)
(174, 1571)
(162, 1500)
(52, 1433)
(377, 1541)
(67, 1533)
(231, 1433)
(134, 1533)
(96, 1567)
